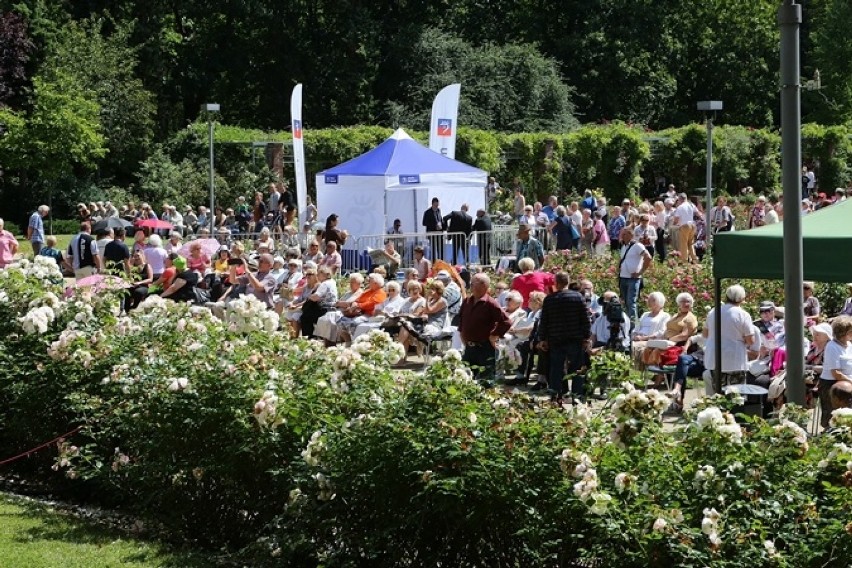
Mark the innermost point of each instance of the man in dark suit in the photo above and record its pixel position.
(434, 223)
(459, 222)
(482, 226)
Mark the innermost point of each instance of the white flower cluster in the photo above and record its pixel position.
(62, 348)
(119, 460)
(42, 268)
(452, 355)
(458, 371)
(841, 418)
(247, 314)
(792, 432)
(672, 517)
(712, 418)
(4, 297)
(377, 345)
(313, 451)
(707, 480)
(639, 404)
(83, 312)
(152, 305)
(37, 320)
(345, 359)
(839, 450)
(625, 482)
(178, 384)
(266, 410)
(586, 488)
(710, 526)
(326, 489)
(126, 326)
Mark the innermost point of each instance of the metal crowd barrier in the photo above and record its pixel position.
(481, 247)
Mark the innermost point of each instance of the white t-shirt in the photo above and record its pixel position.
(836, 356)
(633, 256)
(684, 213)
(736, 325)
(577, 219)
(654, 326)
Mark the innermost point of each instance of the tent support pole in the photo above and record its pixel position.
(717, 336)
(790, 19)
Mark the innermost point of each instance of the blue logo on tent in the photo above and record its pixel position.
(409, 180)
(330, 179)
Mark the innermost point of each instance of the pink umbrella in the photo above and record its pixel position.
(208, 246)
(154, 224)
(98, 282)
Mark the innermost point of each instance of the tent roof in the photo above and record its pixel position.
(759, 253)
(400, 155)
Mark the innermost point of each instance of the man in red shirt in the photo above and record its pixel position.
(482, 322)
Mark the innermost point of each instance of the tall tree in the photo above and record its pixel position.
(509, 87)
(832, 56)
(16, 47)
(102, 62)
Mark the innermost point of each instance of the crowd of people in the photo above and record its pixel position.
(542, 326)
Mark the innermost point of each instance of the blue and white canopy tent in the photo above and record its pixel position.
(396, 180)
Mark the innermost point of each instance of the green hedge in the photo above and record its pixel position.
(620, 159)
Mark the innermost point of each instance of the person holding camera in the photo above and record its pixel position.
(611, 330)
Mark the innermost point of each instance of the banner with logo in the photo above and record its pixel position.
(445, 111)
(299, 153)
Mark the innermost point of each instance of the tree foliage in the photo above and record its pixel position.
(507, 88)
(15, 53)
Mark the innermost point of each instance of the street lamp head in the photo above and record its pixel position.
(709, 105)
(210, 107)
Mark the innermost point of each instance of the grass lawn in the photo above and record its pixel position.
(35, 536)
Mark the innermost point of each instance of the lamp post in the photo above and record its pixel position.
(710, 108)
(211, 108)
(789, 20)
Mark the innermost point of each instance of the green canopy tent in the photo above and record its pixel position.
(759, 254)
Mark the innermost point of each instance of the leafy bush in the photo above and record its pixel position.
(235, 435)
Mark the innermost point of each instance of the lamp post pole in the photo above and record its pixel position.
(211, 108)
(790, 20)
(710, 107)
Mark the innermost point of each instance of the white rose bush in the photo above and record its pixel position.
(287, 453)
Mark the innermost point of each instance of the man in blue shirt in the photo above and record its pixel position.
(35, 228)
(550, 208)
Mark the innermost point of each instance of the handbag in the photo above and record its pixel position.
(669, 356)
(758, 367)
(575, 234)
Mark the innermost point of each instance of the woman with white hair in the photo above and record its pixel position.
(738, 333)
(679, 328)
(388, 309)
(156, 255)
(174, 242)
(652, 324)
(365, 305)
(326, 327)
(265, 239)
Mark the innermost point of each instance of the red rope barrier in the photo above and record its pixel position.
(41, 446)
